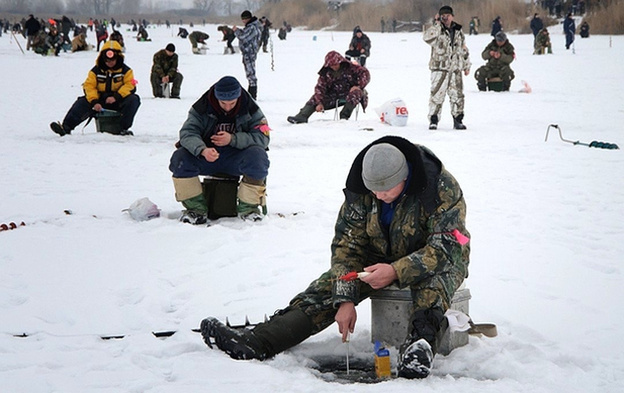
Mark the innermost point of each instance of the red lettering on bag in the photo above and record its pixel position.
(400, 110)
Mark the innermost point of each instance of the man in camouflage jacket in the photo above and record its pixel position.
(339, 79)
(499, 54)
(542, 42)
(410, 232)
(164, 71)
(449, 58)
(249, 38)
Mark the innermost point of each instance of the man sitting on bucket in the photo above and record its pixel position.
(110, 85)
(403, 221)
(339, 79)
(225, 133)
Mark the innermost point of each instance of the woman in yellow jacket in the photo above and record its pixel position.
(109, 85)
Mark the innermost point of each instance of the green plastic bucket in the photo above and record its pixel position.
(108, 121)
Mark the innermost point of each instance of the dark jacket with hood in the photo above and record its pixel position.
(250, 125)
(421, 242)
(359, 43)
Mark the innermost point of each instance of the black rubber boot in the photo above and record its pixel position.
(433, 122)
(284, 331)
(266, 340)
(417, 352)
(58, 128)
(457, 122)
(346, 111)
(303, 115)
(253, 91)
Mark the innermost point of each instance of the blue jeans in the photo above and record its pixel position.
(252, 162)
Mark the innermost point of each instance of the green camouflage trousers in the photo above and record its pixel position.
(443, 83)
(487, 71)
(316, 301)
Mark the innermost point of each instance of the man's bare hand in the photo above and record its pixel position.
(221, 138)
(381, 275)
(210, 154)
(346, 318)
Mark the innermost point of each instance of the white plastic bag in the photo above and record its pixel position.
(143, 209)
(393, 112)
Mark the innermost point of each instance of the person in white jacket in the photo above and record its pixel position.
(449, 58)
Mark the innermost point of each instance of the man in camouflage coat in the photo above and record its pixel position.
(249, 43)
(339, 79)
(402, 221)
(165, 71)
(499, 54)
(449, 58)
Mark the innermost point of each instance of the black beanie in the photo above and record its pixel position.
(445, 9)
(170, 47)
(246, 14)
(227, 89)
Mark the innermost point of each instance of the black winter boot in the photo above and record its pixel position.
(433, 122)
(253, 91)
(346, 111)
(417, 352)
(457, 122)
(58, 128)
(303, 115)
(266, 340)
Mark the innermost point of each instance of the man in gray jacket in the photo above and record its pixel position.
(449, 58)
(225, 133)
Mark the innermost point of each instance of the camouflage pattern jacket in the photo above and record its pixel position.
(420, 243)
(543, 39)
(250, 125)
(165, 64)
(249, 37)
(333, 85)
(448, 48)
(506, 51)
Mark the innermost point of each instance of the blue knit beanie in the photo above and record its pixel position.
(227, 89)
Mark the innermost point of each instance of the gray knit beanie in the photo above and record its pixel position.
(384, 167)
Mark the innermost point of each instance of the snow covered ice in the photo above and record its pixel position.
(546, 220)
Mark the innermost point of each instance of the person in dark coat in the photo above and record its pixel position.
(584, 29)
(266, 32)
(101, 34)
(403, 221)
(359, 47)
(536, 26)
(569, 28)
(31, 29)
(339, 79)
(497, 25)
(228, 36)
